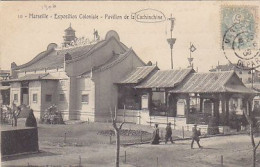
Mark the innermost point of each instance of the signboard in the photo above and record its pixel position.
(145, 102)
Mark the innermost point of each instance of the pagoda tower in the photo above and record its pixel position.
(69, 36)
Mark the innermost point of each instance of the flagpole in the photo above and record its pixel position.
(190, 50)
(190, 59)
(171, 47)
(171, 40)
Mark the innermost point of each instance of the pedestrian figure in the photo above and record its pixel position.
(156, 137)
(30, 120)
(168, 134)
(195, 136)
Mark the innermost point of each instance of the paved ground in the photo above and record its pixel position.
(236, 151)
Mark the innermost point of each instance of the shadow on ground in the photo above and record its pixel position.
(23, 156)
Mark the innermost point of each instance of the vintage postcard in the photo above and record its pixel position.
(135, 83)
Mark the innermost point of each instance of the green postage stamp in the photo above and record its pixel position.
(239, 29)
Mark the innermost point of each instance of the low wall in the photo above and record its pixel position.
(17, 141)
(134, 116)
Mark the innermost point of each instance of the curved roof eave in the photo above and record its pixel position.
(35, 59)
(106, 66)
(93, 49)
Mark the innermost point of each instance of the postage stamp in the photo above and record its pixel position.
(239, 29)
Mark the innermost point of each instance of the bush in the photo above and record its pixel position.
(234, 121)
(52, 116)
(6, 115)
(213, 126)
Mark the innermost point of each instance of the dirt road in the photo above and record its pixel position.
(236, 151)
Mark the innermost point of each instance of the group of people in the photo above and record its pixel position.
(168, 136)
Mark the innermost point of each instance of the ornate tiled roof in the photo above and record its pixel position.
(214, 82)
(30, 77)
(53, 58)
(138, 75)
(165, 78)
(117, 58)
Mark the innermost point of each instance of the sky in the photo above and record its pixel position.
(21, 39)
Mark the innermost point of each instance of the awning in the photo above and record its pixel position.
(165, 78)
(138, 75)
(214, 82)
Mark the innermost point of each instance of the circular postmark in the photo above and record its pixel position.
(241, 47)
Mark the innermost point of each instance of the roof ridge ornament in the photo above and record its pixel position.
(78, 42)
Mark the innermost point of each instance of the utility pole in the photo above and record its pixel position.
(171, 40)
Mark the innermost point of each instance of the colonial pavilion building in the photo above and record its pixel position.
(78, 79)
(87, 79)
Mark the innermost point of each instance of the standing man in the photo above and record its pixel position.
(195, 136)
(168, 134)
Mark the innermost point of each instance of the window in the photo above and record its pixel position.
(48, 98)
(62, 97)
(15, 97)
(34, 98)
(84, 98)
(249, 72)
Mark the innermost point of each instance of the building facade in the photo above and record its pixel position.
(78, 79)
(247, 76)
(183, 97)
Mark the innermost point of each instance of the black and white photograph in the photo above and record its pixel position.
(130, 84)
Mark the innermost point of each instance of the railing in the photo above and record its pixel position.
(199, 118)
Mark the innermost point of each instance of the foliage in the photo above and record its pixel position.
(6, 114)
(252, 132)
(213, 126)
(234, 120)
(10, 113)
(52, 116)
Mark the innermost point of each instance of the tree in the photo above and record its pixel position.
(252, 131)
(117, 133)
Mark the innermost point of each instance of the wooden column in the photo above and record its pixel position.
(223, 107)
(188, 106)
(244, 104)
(174, 106)
(216, 110)
(166, 104)
(227, 111)
(171, 104)
(250, 106)
(166, 98)
(150, 94)
(201, 104)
